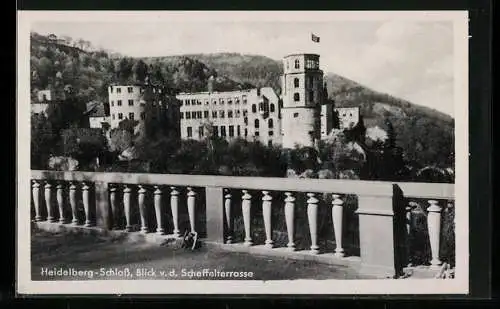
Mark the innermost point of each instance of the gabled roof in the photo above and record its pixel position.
(95, 109)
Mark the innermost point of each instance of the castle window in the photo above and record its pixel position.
(270, 124)
(245, 112)
(231, 131)
(131, 116)
(189, 132)
(261, 106)
(111, 89)
(350, 114)
(271, 133)
(269, 143)
(256, 123)
(193, 115)
(237, 114)
(221, 101)
(223, 131)
(119, 102)
(120, 116)
(182, 115)
(214, 102)
(130, 89)
(246, 132)
(229, 114)
(216, 130)
(272, 108)
(297, 64)
(118, 90)
(44, 97)
(199, 102)
(296, 97)
(257, 133)
(198, 114)
(343, 115)
(112, 103)
(236, 101)
(254, 108)
(238, 130)
(296, 82)
(143, 115)
(206, 102)
(187, 102)
(205, 114)
(244, 99)
(200, 131)
(214, 114)
(295, 115)
(130, 102)
(188, 115)
(221, 114)
(229, 101)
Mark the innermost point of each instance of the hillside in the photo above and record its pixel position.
(425, 135)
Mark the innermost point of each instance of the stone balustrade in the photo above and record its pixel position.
(107, 200)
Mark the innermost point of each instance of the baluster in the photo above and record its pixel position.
(245, 207)
(337, 217)
(312, 216)
(126, 207)
(86, 203)
(142, 208)
(266, 212)
(434, 226)
(290, 218)
(158, 212)
(36, 200)
(48, 202)
(191, 207)
(72, 202)
(114, 208)
(60, 203)
(229, 221)
(174, 205)
(408, 209)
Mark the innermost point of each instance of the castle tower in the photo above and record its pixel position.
(302, 84)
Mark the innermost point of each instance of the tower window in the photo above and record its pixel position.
(193, 115)
(311, 96)
(271, 133)
(205, 114)
(256, 123)
(257, 133)
(221, 114)
(130, 89)
(198, 114)
(182, 115)
(130, 102)
(200, 131)
(216, 130)
(297, 64)
(231, 131)
(119, 102)
(296, 97)
(296, 82)
(214, 114)
(272, 108)
(223, 131)
(131, 116)
(120, 116)
(229, 114)
(254, 108)
(189, 132)
(270, 124)
(295, 115)
(118, 90)
(238, 129)
(188, 115)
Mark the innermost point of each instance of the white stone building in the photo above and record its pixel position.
(252, 114)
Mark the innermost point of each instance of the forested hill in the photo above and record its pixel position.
(425, 135)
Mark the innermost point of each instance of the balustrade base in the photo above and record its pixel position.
(287, 253)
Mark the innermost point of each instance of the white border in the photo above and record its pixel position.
(459, 285)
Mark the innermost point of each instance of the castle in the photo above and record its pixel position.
(301, 116)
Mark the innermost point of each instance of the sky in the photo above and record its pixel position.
(412, 60)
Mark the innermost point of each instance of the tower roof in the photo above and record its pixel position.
(302, 54)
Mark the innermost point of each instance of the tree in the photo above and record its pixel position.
(83, 144)
(140, 70)
(124, 70)
(42, 141)
(120, 140)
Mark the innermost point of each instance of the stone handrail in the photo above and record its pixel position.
(382, 207)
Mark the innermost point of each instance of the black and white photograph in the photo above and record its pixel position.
(242, 152)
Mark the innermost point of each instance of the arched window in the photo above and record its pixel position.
(296, 82)
(254, 108)
(256, 123)
(297, 64)
(270, 124)
(272, 108)
(296, 97)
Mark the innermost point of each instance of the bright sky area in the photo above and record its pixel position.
(413, 60)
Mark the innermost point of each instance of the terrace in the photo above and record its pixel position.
(372, 222)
